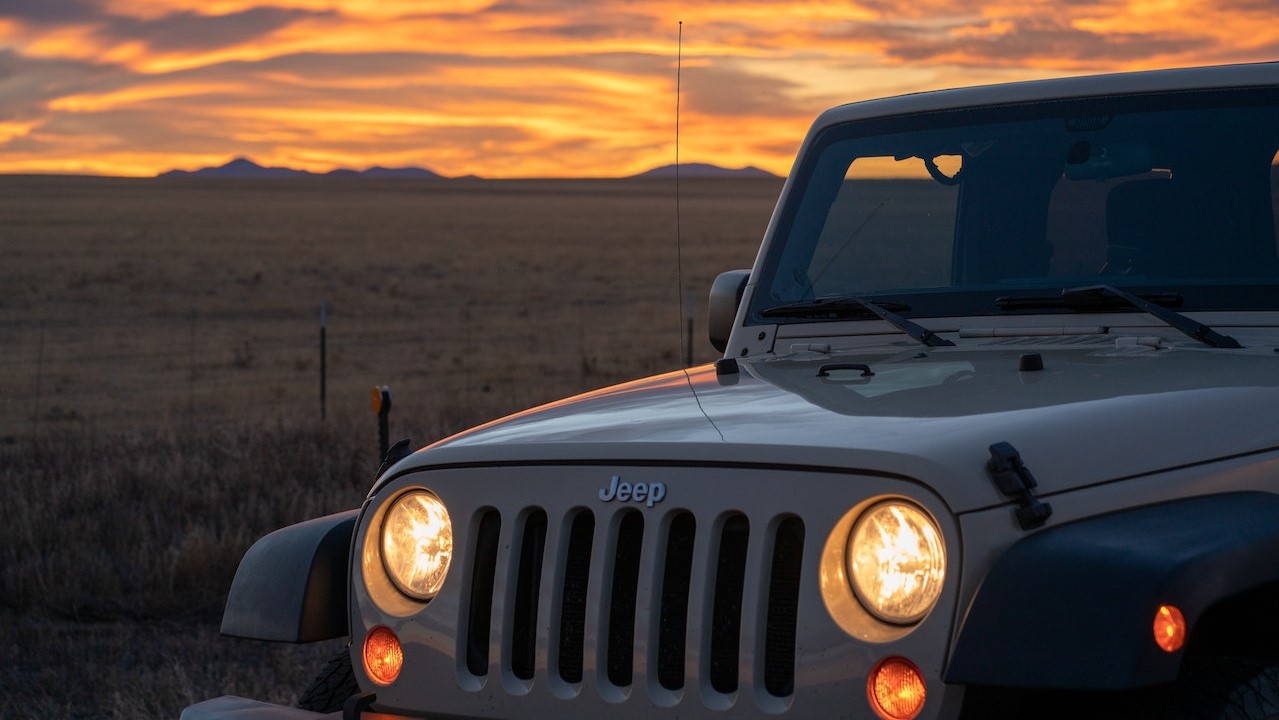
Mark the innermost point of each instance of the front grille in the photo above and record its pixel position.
(672, 623)
(597, 567)
(783, 607)
(621, 610)
(528, 585)
(481, 605)
(726, 613)
(577, 573)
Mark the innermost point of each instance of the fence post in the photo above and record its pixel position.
(39, 372)
(324, 322)
(191, 374)
(382, 407)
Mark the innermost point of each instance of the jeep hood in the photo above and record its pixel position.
(1090, 416)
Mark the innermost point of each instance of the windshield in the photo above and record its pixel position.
(954, 213)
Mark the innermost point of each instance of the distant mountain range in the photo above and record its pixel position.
(705, 170)
(245, 168)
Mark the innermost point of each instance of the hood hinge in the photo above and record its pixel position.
(1013, 479)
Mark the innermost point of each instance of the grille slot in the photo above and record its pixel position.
(577, 569)
(726, 613)
(672, 628)
(480, 614)
(528, 584)
(621, 612)
(783, 608)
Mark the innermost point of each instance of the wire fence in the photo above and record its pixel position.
(467, 364)
(129, 303)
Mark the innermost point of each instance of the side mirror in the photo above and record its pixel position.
(726, 295)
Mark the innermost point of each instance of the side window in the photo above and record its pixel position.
(890, 226)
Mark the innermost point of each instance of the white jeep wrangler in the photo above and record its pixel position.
(995, 434)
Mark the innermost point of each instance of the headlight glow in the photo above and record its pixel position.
(417, 544)
(897, 561)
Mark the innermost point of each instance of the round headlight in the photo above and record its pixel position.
(897, 561)
(417, 544)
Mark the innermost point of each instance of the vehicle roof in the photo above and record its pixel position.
(1199, 78)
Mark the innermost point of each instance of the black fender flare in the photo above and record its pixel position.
(1073, 606)
(291, 586)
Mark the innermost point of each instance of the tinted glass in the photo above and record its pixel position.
(949, 212)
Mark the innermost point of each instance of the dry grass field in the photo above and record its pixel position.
(159, 382)
(128, 302)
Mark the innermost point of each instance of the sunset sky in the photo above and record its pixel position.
(525, 88)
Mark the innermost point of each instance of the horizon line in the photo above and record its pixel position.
(702, 170)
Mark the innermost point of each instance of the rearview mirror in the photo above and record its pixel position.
(1090, 161)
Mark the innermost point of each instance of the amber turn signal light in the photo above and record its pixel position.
(383, 656)
(1170, 628)
(896, 689)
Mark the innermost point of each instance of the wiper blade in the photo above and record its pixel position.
(1098, 301)
(842, 306)
(851, 305)
(1088, 297)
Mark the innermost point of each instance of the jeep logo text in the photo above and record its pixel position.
(648, 493)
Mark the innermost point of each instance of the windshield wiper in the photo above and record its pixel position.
(1099, 301)
(1093, 296)
(845, 306)
(841, 306)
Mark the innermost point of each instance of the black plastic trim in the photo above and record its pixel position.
(291, 586)
(1073, 606)
(357, 704)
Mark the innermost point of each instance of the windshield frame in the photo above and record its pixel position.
(974, 300)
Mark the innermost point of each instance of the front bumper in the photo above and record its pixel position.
(230, 707)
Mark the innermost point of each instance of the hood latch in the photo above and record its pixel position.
(1013, 479)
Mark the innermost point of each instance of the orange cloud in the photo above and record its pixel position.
(532, 87)
(11, 130)
(93, 102)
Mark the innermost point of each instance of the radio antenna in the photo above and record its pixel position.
(679, 256)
